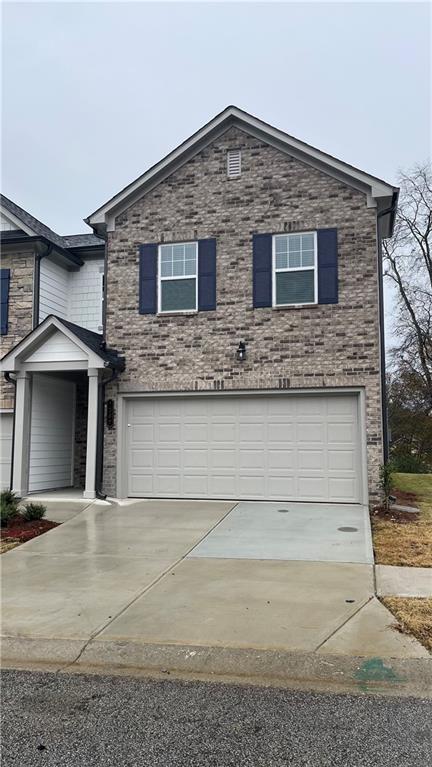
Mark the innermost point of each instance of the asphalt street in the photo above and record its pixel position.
(93, 721)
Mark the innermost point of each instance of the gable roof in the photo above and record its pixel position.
(93, 343)
(379, 193)
(30, 222)
(31, 227)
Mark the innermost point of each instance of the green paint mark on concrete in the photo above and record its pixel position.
(374, 670)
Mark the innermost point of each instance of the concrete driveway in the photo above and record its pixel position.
(205, 573)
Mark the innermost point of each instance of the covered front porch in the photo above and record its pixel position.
(60, 371)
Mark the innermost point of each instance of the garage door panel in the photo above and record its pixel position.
(311, 459)
(167, 483)
(141, 433)
(341, 460)
(251, 485)
(141, 484)
(281, 407)
(196, 432)
(141, 458)
(197, 458)
(169, 432)
(281, 459)
(281, 432)
(311, 487)
(341, 432)
(340, 488)
(251, 432)
(308, 408)
(342, 406)
(313, 431)
(140, 411)
(223, 485)
(196, 484)
(225, 458)
(286, 447)
(251, 459)
(281, 486)
(223, 432)
(169, 459)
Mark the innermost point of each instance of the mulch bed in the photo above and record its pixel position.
(403, 517)
(21, 530)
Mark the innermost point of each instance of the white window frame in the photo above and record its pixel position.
(161, 279)
(295, 269)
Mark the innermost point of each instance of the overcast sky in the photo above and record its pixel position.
(94, 93)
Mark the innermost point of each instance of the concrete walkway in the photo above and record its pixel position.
(403, 581)
(120, 581)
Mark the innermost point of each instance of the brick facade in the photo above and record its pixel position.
(20, 315)
(80, 444)
(314, 347)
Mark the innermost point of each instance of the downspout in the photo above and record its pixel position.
(36, 287)
(13, 382)
(391, 210)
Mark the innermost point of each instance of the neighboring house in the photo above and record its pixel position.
(241, 354)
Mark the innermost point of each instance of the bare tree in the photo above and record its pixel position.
(408, 263)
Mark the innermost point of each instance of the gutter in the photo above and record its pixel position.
(26, 239)
(384, 409)
(13, 382)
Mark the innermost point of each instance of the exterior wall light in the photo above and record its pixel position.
(241, 351)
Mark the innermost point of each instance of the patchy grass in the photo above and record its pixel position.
(400, 541)
(6, 544)
(414, 615)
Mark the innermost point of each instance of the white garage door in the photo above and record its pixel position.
(276, 447)
(6, 421)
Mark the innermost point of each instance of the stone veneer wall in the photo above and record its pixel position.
(20, 319)
(314, 347)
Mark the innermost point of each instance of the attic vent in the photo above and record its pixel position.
(234, 163)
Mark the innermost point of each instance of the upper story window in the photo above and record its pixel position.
(233, 163)
(178, 283)
(295, 275)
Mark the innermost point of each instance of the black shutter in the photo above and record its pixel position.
(262, 270)
(4, 281)
(206, 275)
(327, 266)
(148, 279)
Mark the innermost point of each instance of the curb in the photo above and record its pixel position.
(338, 673)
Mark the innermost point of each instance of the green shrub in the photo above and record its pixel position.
(7, 511)
(386, 481)
(33, 511)
(407, 463)
(9, 503)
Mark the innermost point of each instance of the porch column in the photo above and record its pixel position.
(92, 423)
(21, 452)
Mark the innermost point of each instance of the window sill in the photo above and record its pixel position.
(294, 306)
(186, 313)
